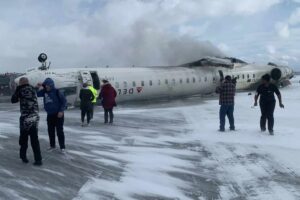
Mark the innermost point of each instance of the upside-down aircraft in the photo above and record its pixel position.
(144, 83)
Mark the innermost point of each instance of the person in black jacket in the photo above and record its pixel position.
(86, 103)
(267, 102)
(29, 120)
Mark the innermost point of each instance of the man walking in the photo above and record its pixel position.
(54, 104)
(108, 95)
(226, 101)
(29, 120)
(267, 102)
(94, 101)
(86, 97)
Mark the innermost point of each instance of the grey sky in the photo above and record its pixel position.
(76, 33)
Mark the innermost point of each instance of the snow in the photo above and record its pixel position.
(169, 150)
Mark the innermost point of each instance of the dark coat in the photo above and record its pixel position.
(29, 108)
(86, 97)
(108, 95)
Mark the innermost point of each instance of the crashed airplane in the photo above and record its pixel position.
(145, 83)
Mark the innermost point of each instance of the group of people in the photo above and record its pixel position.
(55, 104)
(88, 98)
(267, 102)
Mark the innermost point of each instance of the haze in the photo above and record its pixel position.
(77, 33)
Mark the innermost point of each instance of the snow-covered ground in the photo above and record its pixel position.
(162, 151)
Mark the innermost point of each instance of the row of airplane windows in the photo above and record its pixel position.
(173, 81)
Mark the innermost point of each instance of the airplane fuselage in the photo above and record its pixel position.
(144, 83)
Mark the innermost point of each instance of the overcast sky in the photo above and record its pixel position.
(77, 33)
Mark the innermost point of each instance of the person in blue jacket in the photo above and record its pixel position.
(54, 104)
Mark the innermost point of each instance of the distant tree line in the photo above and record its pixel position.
(7, 84)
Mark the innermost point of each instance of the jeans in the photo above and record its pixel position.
(267, 113)
(56, 123)
(226, 110)
(34, 140)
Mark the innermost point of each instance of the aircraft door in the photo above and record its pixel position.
(221, 74)
(96, 80)
(218, 77)
(86, 77)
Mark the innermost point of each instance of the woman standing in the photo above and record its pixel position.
(108, 96)
(267, 102)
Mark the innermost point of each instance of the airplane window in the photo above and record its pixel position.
(166, 81)
(117, 85)
(194, 80)
(133, 84)
(150, 82)
(253, 75)
(180, 81)
(248, 76)
(243, 76)
(125, 84)
(214, 78)
(143, 83)
(238, 76)
(205, 79)
(187, 80)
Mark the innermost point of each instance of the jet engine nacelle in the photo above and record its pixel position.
(276, 74)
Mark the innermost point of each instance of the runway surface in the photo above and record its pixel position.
(163, 151)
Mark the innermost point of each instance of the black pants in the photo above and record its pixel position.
(23, 142)
(92, 111)
(111, 115)
(56, 123)
(267, 113)
(87, 113)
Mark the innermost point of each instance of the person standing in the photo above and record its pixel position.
(108, 96)
(226, 100)
(267, 102)
(54, 104)
(86, 103)
(94, 101)
(29, 120)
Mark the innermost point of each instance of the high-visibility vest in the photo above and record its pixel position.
(95, 93)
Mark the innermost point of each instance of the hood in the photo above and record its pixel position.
(106, 85)
(49, 82)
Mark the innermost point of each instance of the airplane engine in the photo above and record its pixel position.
(276, 74)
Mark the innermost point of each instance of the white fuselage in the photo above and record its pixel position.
(144, 83)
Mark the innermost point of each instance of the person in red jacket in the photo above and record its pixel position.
(108, 98)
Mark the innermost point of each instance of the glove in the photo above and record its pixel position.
(281, 105)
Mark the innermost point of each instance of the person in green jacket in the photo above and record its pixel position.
(95, 93)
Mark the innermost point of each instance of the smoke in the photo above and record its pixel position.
(147, 45)
(89, 33)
